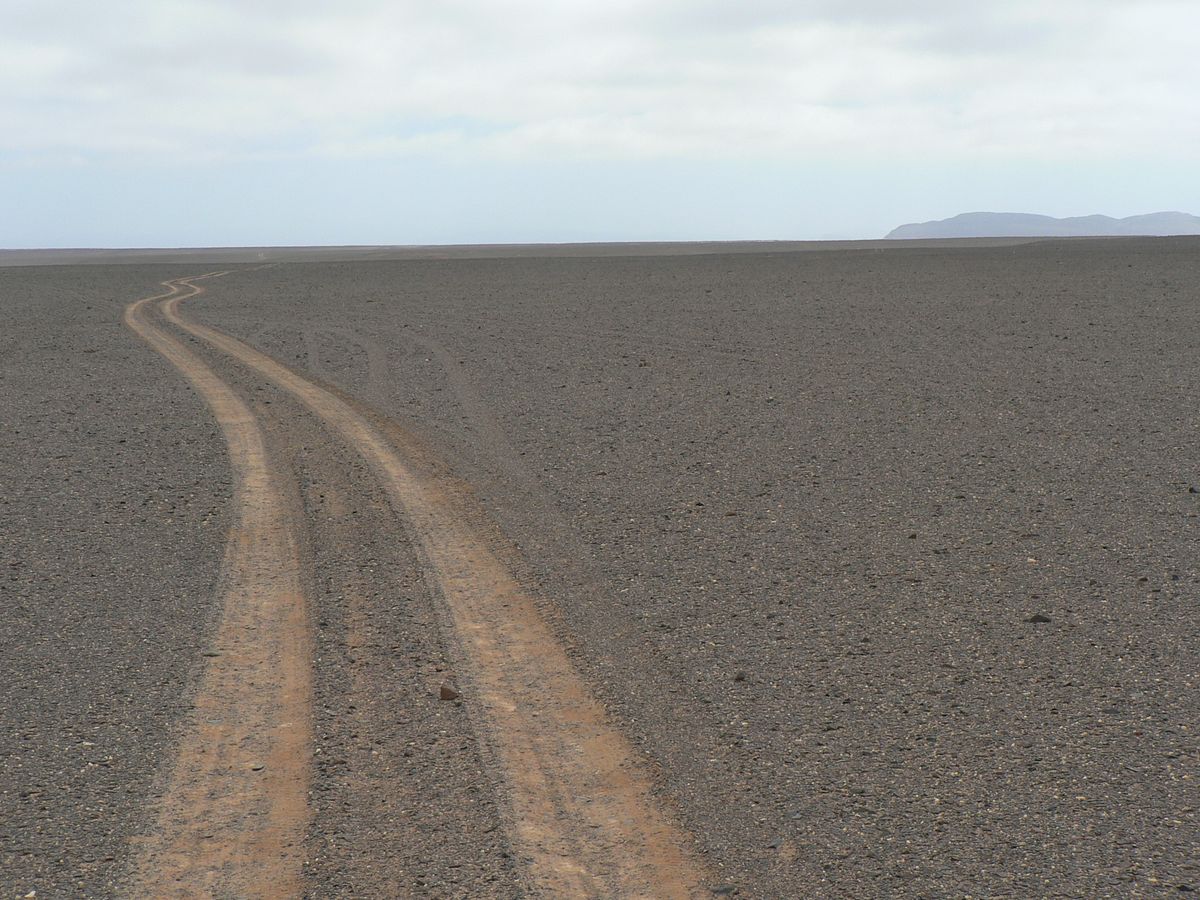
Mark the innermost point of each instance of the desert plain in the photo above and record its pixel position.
(859, 570)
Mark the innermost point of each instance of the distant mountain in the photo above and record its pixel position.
(989, 224)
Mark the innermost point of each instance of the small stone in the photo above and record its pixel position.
(740, 676)
(448, 691)
(1193, 490)
(1038, 619)
(724, 890)
(257, 767)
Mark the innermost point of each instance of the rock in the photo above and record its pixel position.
(1038, 619)
(740, 676)
(448, 691)
(724, 890)
(1193, 490)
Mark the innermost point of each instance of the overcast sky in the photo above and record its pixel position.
(216, 122)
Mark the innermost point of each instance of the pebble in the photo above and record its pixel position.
(448, 691)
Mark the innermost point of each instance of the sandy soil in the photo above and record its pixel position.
(234, 811)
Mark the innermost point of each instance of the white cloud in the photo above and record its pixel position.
(569, 79)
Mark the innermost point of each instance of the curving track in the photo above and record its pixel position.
(580, 809)
(234, 812)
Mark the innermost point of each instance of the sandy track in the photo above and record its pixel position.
(582, 812)
(234, 812)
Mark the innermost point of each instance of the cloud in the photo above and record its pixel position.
(658, 79)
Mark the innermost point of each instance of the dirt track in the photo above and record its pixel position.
(234, 814)
(582, 814)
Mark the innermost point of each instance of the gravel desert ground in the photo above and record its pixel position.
(884, 563)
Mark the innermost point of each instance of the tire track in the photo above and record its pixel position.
(479, 414)
(233, 816)
(403, 801)
(582, 810)
(377, 360)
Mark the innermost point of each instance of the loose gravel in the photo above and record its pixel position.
(886, 558)
(113, 513)
(804, 517)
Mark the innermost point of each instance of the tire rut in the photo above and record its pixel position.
(234, 812)
(403, 801)
(582, 810)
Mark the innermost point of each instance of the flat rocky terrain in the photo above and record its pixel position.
(113, 514)
(886, 561)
